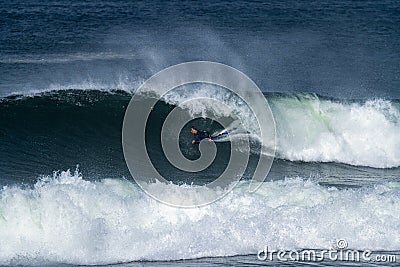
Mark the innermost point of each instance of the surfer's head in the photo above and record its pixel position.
(193, 130)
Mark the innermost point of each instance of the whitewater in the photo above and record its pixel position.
(64, 218)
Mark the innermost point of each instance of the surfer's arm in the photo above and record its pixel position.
(196, 139)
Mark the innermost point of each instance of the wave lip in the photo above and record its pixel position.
(66, 219)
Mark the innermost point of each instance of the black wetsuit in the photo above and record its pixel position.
(201, 134)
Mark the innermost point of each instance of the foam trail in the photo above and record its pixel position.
(67, 219)
(232, 131)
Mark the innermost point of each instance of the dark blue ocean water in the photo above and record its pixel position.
(345, 49)
(330, 71)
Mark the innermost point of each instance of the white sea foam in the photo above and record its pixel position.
(124, 83)
(310, 129)
(67, 219)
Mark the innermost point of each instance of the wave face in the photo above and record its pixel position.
(66, 219)
(60, 129)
